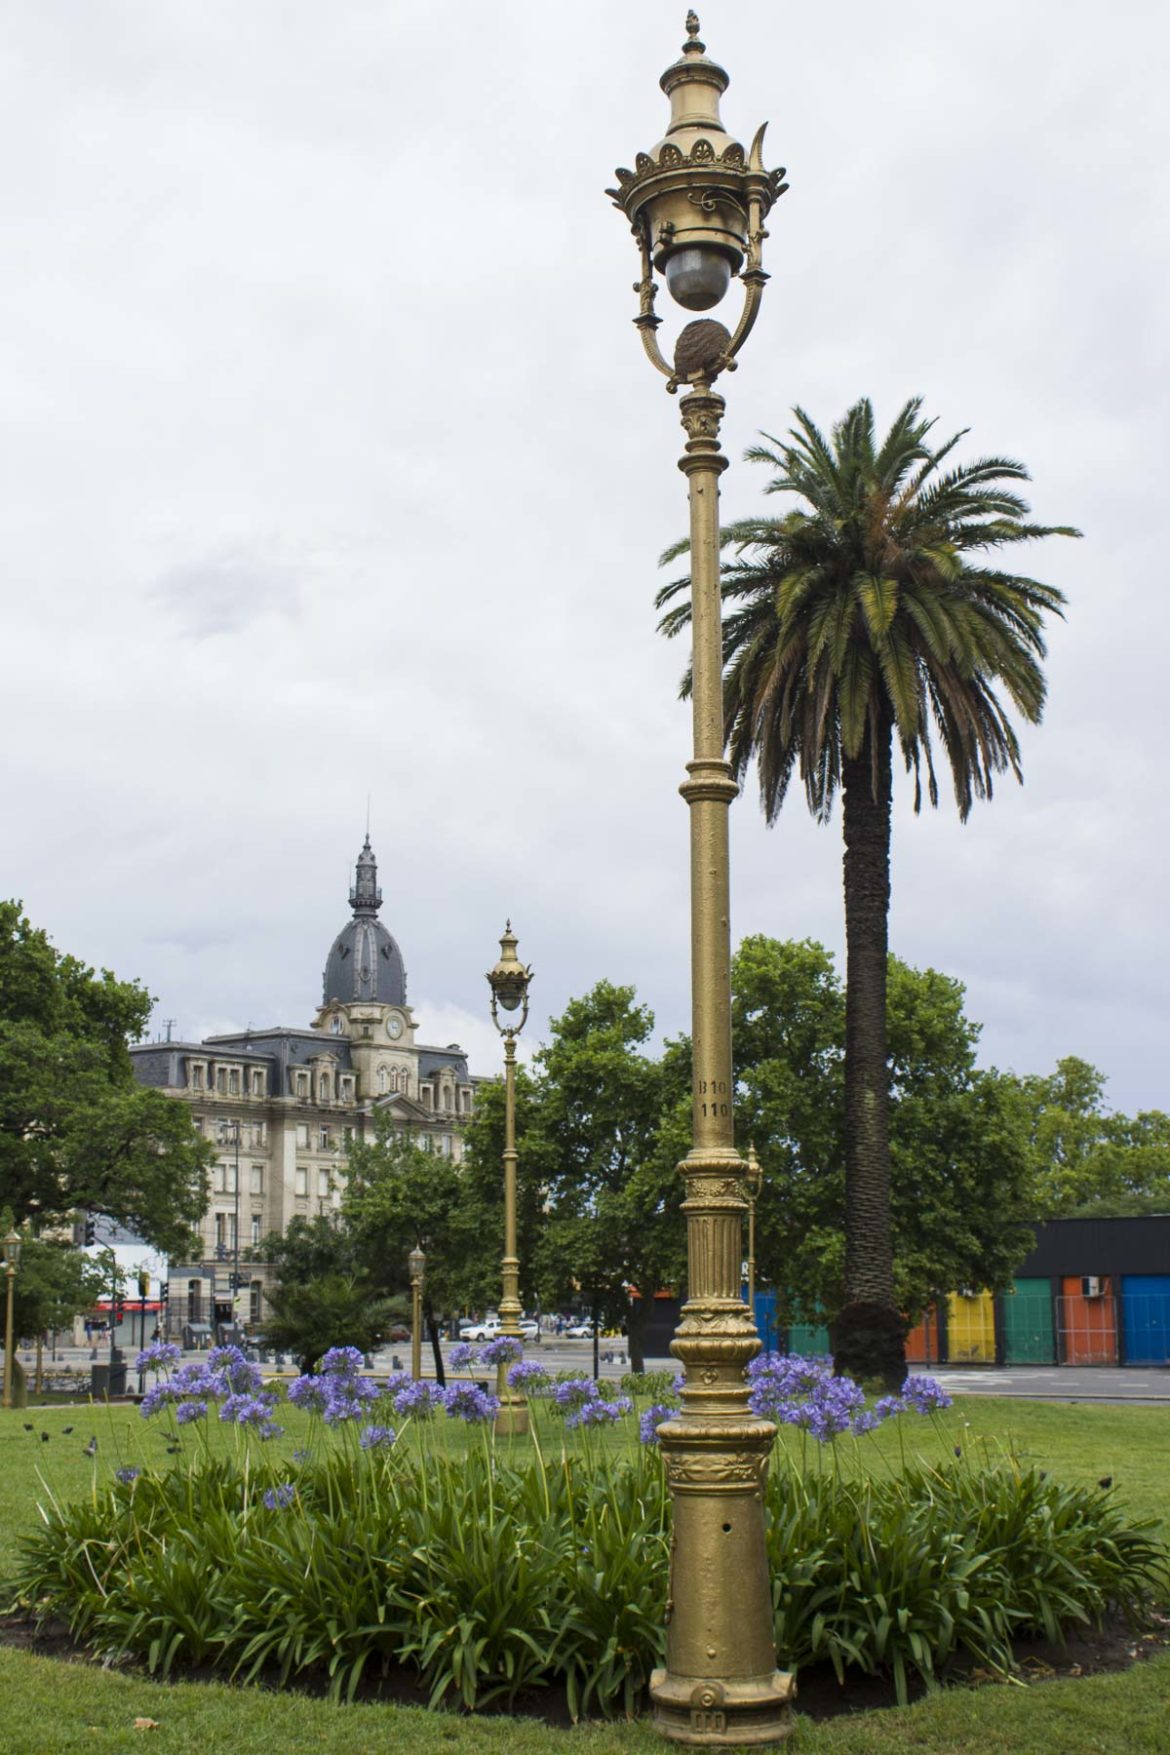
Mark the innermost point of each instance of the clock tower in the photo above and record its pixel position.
(364, 993)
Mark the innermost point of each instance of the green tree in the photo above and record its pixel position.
(323, 1296)
(962, 1171)
(399, 1196)
(1089, 1159)
(869, 614)
(603, 1128)
(76, 1129)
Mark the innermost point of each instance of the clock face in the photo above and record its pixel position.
(394, 1026)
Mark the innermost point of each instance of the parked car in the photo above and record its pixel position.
(580, 1331)
(480, 1331)
(397, 1333)
(529, 1328)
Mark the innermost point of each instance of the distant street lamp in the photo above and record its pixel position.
(509, 980)
(143, 1295)
(11, 1263)
(418, 1262)
(697, 206)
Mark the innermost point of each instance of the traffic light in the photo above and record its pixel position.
(164, 1291)
(90, 1230)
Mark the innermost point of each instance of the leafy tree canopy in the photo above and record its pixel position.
(1087, 1159)
(961, 1169)
(76, 1129)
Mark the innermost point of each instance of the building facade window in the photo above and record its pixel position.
(301, 1184)
(335, 1025)
(257, 1179)
(255, 1300)
(325, 1094)
(323, 1185)
(325, 1139)
(256, 1229)
(383, 1081)
(194, 1300)
(221, 1079)
(196, 1078)
(428, 1097)
(302, 1086)
(347, 1089)
(258, 1082)
(303, 1135)
(234, 1081)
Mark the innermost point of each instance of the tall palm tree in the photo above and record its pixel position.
(867, 613)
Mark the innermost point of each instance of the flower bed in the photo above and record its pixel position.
(516, 1566)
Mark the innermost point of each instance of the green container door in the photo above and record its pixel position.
(808, 1339)
(1028, 1334)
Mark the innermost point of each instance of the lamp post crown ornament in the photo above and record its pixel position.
(696, 204)
(12, 1251)
(509, 980)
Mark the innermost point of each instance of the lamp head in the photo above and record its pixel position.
(417, 1261)
(12, 1251)
(509, 977)
(691, 196)
(754, 1176)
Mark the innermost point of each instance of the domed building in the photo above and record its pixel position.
(284, 1104)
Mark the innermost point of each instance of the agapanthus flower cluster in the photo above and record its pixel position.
(504, 1350)
(160, 1355)
(126, 1476)
(598, 1412)
(530, 1376)
(337, 1390)
(377, 1437)
(418, 1398)
(225, 1376)
(461, 1356)
(281, 1497)
(803, 1392)
(466, 1401)
(574, 1393)
(652, 1419)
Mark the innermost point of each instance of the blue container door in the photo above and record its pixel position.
(1145, 1311)
(809, 1339)
(765, 1315)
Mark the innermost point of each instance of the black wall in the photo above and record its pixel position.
(1100, 1246)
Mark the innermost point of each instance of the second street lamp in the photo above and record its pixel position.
(11, 1263)
(509, 980)
(697, 206)
(417, 1262)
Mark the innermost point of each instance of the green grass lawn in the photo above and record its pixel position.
(47, 1706)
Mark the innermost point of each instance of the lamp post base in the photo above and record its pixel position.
(739, 1714)
(512, 1420)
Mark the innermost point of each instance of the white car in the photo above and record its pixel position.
(580, 1331)
(480, 1331)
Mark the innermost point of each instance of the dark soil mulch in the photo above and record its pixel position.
(1094, 1652)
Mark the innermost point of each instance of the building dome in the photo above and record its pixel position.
(365, 963)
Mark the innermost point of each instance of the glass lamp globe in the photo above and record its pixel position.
(697, 278)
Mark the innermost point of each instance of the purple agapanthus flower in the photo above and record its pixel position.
(248, 1410)
(465, 1401)
(925, 1395)
(504, 1350)
(188, 1412)
(418, 1398)
(341, 1362)
(652, 1419)
(160, 1354)
(599, 1412)
(397, 1380)
(126, 1475)
(281, 1497)
(528, 1375)
(461, 1356)
(801, 1392)
(679, 1383)
(307, 1392)
(574, 1392)
(377, 1437)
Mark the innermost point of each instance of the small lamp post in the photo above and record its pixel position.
(509, 980)
(11, 1263)
(697, 205)
(753, 1182)
(418, 1262)
(143, 1295)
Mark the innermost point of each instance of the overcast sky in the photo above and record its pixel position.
(332, 467)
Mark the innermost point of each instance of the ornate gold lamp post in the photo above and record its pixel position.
(697, 206)
(11, 1263)
(509, 979)
(753, 1182)
(417, 1261)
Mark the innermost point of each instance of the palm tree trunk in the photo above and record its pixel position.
(868, 1335)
